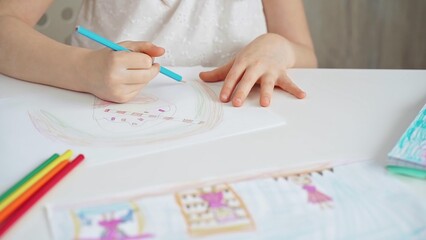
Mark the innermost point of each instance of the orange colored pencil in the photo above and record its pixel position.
(21, 199)
(33, 199)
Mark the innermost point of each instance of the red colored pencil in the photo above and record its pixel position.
(33, 189)
(4, 226)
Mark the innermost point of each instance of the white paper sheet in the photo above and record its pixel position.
(356, 201)
(166, 115)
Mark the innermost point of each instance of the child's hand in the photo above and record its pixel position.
(263, 61)
(119, 76)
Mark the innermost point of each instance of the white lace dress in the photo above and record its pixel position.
(193, 32)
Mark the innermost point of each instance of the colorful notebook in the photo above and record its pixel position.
(410, 151)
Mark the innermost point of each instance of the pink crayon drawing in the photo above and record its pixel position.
(112, 231)
(315, 196)
(214, 209)
(214, 199)
(146, 119)
(112, 224)
(222, 212)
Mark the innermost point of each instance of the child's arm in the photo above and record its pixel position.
(29, 55)
(287, 18)
(265, 60)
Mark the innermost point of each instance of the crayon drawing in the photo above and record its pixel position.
(213, 209)
(145, 119)
(118, 221)
(411, 147)
(165, 115)
(357, 201)
(314, 196)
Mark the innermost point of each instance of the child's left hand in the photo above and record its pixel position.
(263, 61)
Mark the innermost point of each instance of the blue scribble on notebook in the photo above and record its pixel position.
(411, 147)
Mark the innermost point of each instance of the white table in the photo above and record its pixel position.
(347, 115)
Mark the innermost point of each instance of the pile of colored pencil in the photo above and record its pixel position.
(24, 194)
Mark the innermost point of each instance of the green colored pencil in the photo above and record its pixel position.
(28, 177)
(418, 173)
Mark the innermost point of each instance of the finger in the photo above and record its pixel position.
(154, 70)
(142, 76)
(217, 74)
(143, 47)
(155, 51)
(134, 61)
(246, 83)
(231, 79)
(267, 84)
(285, 83)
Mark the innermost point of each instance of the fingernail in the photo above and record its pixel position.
(237, 101)
(266, 101)
(223, 97)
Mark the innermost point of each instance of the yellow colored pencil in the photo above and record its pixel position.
(65, 156)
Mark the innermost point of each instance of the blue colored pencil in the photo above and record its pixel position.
(107, 43)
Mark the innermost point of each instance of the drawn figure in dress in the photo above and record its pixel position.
(315, 196)
(214, 209)
(112, 230)
(120, 223)
(222, 212)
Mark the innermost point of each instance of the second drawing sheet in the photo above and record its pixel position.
(319, 201)
(165, 115)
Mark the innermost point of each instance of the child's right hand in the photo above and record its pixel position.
(118, 76)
